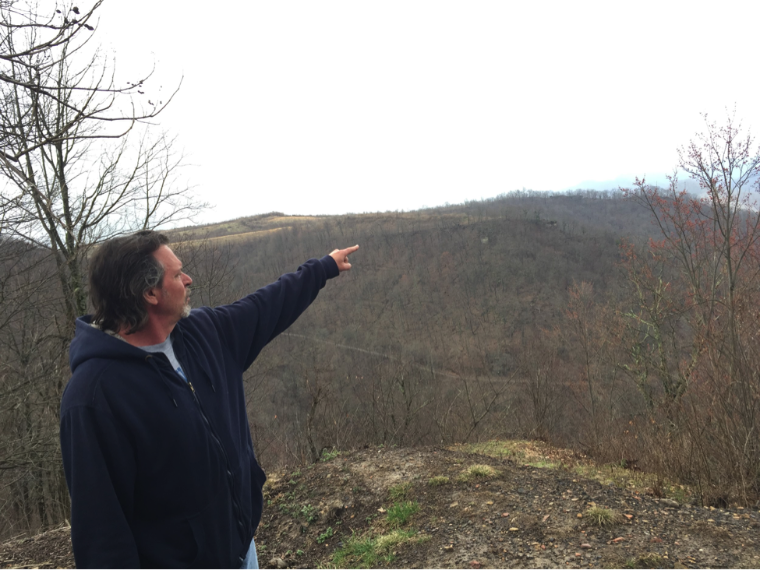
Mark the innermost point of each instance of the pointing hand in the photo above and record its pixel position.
(341, 257)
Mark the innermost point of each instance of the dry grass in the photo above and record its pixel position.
(400, 491)
(438, 480)
(236, 237)
(602, 517)
(374, 552)
(478, 472)
(544, 456)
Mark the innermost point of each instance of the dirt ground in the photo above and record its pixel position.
(443, 508)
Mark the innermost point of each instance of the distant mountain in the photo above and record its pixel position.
(659, 179)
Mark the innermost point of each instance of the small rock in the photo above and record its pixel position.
(504, 515)
(670, 503)
(277, 563)
(454, 504)
(475, 564)
(580, 516)
(513, 529)
(616, 540)
(585, 545)
(656, 540)
(448, 547)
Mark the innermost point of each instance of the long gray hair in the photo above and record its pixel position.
(122, 270)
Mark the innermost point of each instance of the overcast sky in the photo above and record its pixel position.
(327, 107)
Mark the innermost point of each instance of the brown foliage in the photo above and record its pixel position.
(695, 354)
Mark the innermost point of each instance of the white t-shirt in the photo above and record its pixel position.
(167, 348)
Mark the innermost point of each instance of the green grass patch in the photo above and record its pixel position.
(400, 513)
(399, 492)
(438, 480)
(360, 553)
(371, 552)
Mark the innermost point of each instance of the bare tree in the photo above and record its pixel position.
(35, 39)
(77, 167)
(70, 192)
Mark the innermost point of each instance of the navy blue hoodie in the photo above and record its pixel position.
(161, 471)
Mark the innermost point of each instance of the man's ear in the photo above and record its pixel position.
(151, 296)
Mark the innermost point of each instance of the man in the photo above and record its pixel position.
(156, 443)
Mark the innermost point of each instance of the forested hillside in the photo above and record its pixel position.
(427, 338)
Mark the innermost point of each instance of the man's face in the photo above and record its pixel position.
(174, 294)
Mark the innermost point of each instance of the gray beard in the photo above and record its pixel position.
(186, 310)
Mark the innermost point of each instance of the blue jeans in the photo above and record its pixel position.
(251, 560)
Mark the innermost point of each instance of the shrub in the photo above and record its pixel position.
(329, 455)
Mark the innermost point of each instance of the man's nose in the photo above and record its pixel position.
(188, 280)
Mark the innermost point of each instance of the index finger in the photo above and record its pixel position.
(350, 250)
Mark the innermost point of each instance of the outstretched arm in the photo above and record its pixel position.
(247, 325)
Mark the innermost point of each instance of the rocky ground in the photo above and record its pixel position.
(499, 505)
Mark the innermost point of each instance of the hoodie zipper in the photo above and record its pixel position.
(230, 476)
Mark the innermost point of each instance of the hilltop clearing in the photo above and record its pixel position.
(500, 504)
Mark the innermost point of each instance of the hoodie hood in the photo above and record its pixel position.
(91, 342)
